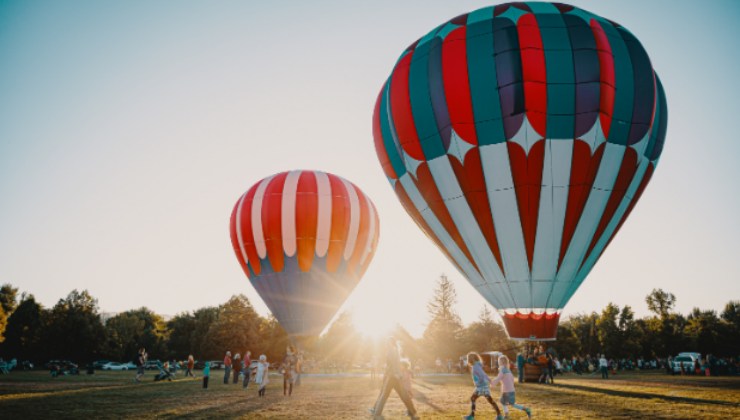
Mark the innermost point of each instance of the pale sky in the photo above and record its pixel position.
(129, 129)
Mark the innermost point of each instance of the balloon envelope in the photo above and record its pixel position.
(304, 239)
(519, 137)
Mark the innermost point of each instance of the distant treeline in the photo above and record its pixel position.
(73, 330)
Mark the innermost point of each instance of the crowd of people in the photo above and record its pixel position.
(235, 367)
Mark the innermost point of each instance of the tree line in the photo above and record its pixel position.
(73, 329)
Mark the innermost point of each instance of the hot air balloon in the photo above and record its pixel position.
(519, 138)
(304, 240)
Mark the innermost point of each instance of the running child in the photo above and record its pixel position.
(482, 386)
(262, 375)
(508, 396)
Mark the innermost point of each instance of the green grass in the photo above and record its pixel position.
(31, 395)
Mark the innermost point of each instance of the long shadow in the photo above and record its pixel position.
(645, 396)
(423, 399)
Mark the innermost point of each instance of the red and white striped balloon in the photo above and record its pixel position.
(304, 239)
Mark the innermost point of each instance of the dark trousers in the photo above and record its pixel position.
(520, 370)
(604, 373)
(227, 372)
(245, 382)
(205, 382)
(236, 375)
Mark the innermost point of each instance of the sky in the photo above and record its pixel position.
(128, 130)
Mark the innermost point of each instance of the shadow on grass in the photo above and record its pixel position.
(423, 399)
(641, 395)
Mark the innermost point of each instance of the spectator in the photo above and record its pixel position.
(227, 367)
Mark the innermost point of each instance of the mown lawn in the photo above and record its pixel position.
(31, 395)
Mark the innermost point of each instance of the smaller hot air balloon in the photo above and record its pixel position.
(304, 240)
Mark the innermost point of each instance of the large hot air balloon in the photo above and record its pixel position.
(304, 239)
(519, 137)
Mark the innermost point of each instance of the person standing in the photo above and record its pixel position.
(227, 367)
(190, 365)
(520, 366)
(206, 374)
(237, 366)
(140, 363)
(262, 377)
(247, 370)
(604, 367)
(391, 381)
(289, 370)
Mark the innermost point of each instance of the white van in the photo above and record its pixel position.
(687, 359)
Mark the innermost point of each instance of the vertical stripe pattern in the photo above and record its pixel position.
(519, 138)
(304, 239)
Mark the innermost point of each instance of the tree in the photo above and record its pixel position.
(660, 303)
(702, 331)
(235, 329)
(74, 330)
(630, 333)
(486, 334)
(730, 328)
(181, 329)
(584, 327)
(272, 339)
(339, 345)
(7, 306)
(444, 330)
(608, 330)
(8, 296)
(569, 344)
(203, 320)
(666, 326)
(22, 335)
(131, 330)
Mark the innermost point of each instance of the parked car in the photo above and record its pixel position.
(98, 364)
(216, 364)
(114, 366)
(62, 367)
(129, 365)
(152, 364)
(686, 360)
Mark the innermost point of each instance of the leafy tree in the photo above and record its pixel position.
(131, 330)
(661, 303)
(608, 330)
(569, 344)
(3, 324)
(630, 333)
(584, 326)
(702, 331)
(236, 328)
(7, 305)
(444, 330)
(203, 319)
(666, 326)
(339, 345)
(486, 334)
(272, 339)
(730, 329)
(22, 335)
(8, 297)
(181, 329)
(74, 330)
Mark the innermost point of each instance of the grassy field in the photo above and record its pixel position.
(32, 395)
